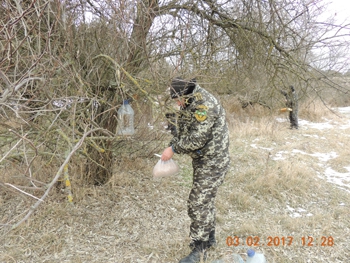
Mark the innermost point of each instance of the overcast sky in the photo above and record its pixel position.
(340, 8)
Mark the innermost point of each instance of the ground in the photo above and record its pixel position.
(280, 197)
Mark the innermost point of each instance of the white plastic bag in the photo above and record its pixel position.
(165, 168)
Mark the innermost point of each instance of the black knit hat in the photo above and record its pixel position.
(180, 87)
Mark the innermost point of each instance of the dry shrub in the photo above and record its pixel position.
(231, 105)
(234, 109)
(340, 101)
(252, 121)
(260, 128)
(32, 175)
(337, 98)
(134, 218)
(125, 170)
(314, 110)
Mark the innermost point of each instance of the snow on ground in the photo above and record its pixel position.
(297, 212)
(340, 179)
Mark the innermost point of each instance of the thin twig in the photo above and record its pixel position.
(54, 180)
(24, 192)
(4, 157)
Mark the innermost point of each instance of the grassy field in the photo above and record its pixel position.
(275, 198)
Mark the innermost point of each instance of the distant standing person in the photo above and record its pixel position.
(292, 103)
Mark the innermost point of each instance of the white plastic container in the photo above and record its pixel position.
(125, 119)
(255, 257)
(237, 258)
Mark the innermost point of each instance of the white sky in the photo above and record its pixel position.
(340, 8)
(337, 56)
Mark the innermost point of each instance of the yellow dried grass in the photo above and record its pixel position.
(134, 218)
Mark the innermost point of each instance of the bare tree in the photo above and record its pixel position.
(66, 66)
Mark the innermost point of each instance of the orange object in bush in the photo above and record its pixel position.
(285, 109)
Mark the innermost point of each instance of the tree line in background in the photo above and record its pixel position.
(66, 66)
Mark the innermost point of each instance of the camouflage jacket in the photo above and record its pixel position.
(201, 127)
(291, 99)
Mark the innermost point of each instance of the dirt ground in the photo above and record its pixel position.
(283, 208)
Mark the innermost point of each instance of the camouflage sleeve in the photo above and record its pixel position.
(295, 99)
(200, 133)
(173, 141)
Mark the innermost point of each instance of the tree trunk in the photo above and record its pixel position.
(99, 167)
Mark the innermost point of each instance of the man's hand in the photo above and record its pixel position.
(167, 154)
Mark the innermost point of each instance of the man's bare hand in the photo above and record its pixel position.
(167, 154)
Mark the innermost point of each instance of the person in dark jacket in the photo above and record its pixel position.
(202, 133)
(292, 103)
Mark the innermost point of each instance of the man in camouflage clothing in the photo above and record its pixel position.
(201, 133)
(292, 103)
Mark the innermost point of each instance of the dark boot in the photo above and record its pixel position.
(212, 240)
(197, 253)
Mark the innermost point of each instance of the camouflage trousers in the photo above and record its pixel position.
(208, 175)
(293, 118)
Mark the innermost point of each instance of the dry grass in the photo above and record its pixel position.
(135, 218)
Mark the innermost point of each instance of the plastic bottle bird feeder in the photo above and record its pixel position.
(125, 120)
